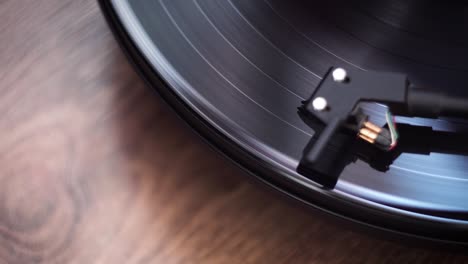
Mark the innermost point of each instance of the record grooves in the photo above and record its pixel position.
(238, 70)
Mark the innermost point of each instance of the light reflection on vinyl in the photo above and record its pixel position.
(242, 67)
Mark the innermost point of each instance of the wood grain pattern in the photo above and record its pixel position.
(96, 169)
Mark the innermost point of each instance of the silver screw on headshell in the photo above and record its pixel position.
(319, 104)
(339, 75)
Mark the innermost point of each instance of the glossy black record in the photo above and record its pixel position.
(237, 70)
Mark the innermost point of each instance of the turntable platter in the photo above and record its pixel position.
(237, 70)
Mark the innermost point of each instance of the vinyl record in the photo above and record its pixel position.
(237, 70)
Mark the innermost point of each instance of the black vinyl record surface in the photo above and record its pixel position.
(237, 70)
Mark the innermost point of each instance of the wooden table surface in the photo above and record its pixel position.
(94, 168)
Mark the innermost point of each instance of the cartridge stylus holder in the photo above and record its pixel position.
(336, 98)
(335, 103)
